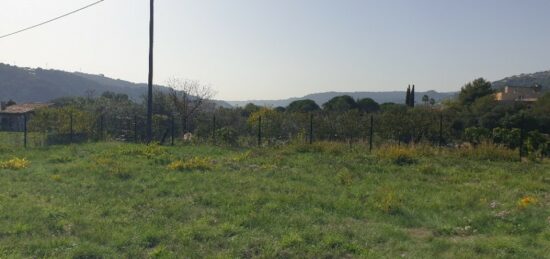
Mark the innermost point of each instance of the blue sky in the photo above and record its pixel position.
(268, 49)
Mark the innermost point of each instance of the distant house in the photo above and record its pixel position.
(519, 94)
(12, 118)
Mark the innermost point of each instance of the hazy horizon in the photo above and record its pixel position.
(281, 49)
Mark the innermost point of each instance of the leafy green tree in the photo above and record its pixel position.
(408, 97)
(388, 106)
(474, 90)
(476, 135)
(280, 109)
(412, 98)
(250, 109)
(368, 105)
(304, 106)
(340, 104)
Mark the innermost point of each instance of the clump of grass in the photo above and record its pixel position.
(15, 164)
(149, 151)
(487, 151)
(389, 201)
(56, 178)
(345, 177)
(60, 159)
(242, 156)
(397, 155)
(113, 168)
(196, 163)
(428, 169)
(292, 240)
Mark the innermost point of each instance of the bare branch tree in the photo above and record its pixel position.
(188, 97)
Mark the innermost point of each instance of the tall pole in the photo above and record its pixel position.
(260, 131)
(71, 127)
(311, 129)
(135, 129)
(25, 130)
(521, 135)
(172, 129)
(440, 129)
(150, 82)
(214, 129)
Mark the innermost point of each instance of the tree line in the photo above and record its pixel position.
(473, 117)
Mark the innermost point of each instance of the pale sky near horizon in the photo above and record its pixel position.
(272, 49)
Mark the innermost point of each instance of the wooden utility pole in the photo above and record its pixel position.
(150, 82)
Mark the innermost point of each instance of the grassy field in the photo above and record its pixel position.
(322, 201)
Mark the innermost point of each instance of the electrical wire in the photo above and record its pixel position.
(51, 20)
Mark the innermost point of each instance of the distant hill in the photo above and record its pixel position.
(525, 80)
(320, 98)
(42, 85)
(522, 80)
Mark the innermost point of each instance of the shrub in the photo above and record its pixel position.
(476, 135)
(508, 137)
(15, 164)
(60, 159)
(389, 201)
(228, 136)
(196, 163)
(149, 151)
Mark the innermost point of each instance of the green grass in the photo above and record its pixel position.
(322, 201)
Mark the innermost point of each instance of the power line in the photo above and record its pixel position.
(51, 20)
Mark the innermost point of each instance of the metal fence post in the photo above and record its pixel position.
(260, 131)
(440, 129)
(25, 130)
(101, 118)
(371, 131)
(521, 135)
(172, 130)
(135, 129)
(71, 127)
(311, 129)
(214, 129)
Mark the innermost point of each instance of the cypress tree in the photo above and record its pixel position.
(408, 98)
(412, 97)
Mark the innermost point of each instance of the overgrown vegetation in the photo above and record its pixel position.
(326, 200)
(473, 118)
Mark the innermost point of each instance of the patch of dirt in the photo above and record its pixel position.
(420, 233)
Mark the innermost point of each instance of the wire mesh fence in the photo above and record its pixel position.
(222, 127)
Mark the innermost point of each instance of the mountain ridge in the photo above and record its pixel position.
(23, 84)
